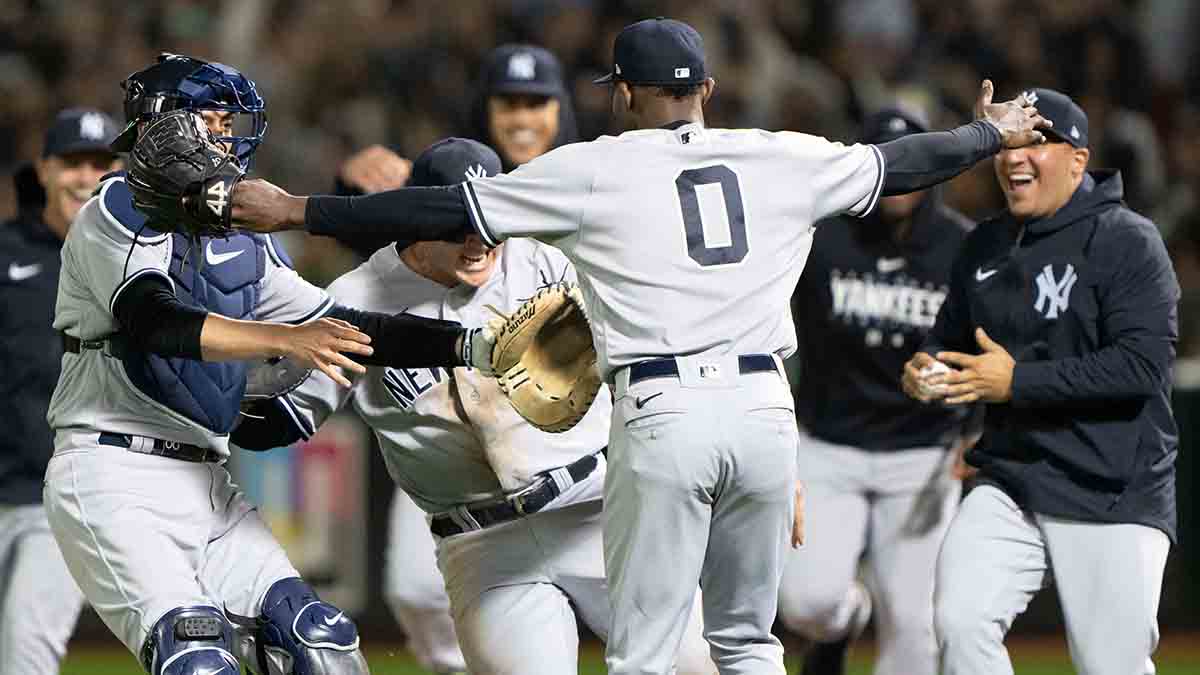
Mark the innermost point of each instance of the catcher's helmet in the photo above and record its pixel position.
(182, 82)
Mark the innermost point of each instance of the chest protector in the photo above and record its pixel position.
(215, 274)
(209, 394)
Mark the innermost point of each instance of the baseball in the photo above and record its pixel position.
(929, 371)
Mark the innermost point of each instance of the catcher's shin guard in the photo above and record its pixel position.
(297, 634)
(190, 641)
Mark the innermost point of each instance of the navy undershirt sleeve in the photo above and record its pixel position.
(411, 213)
(918, 161)
(404, 340)
(152, 319)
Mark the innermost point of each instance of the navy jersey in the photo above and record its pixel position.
(863, 306)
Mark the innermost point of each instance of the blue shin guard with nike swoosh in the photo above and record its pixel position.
(298, 634)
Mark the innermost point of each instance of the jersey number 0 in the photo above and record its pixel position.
(693, 225)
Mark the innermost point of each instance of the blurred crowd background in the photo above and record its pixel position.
(338, 76)
(341, 75)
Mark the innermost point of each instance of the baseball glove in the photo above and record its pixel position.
(181, 178)
(544, 359)
(273, 378)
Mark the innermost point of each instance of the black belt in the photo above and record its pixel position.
(74, 345)
(747, 363)
(526, 502)
(154, 446)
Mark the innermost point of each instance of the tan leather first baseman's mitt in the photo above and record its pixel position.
(544, 359)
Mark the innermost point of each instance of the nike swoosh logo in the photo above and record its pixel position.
(22, 272)
(215, 258)
(639, 401)
(889, 265)
(980, 275)
(335, 619)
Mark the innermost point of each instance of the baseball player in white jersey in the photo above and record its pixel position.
(517, 511)
(162, 543)
(522, 110)
(688, 242)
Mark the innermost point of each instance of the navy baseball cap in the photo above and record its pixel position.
(522, 69)
(1070, 122)
(79, 130)
(891, 123)
(658, 52)
(451, 161)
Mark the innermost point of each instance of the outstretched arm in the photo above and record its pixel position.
(918, 161)
(421, 213)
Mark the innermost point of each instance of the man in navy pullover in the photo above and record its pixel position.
(1062, 320)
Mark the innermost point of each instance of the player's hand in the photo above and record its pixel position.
(375, 169)
(914, 383)
(798, 517)
(984, 377)
(1016, 120)
(261, 206)
(323, 344)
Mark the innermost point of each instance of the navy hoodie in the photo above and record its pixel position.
(1085, 301)
(30, 349)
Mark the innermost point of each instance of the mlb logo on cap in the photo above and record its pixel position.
(658, 51)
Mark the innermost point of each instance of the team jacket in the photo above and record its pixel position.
(863, 306)
(1085, 301)
(30, 350)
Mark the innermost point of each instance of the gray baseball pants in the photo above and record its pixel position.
(701, 478)
(893, 506)
(996, 556)
(39, 602)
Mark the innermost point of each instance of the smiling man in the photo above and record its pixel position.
(1062, 319)
(34, 582)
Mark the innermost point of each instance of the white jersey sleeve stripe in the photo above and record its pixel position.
(112, 301)
(321, 310)
(476, 215)
(881, 163)
(298, 419)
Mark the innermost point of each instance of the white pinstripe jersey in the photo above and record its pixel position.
(687, 240)
(451, 438)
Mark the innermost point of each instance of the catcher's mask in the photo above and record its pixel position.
(184, 83)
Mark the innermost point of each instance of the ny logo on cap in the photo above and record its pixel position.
(522, 66)
(476, 171)
(1054, 295)
(1031, 97)
(897, 125)
(91, 126)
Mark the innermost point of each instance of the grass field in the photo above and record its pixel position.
(1177, 655)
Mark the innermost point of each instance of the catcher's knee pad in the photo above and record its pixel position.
(190, 641)
(297, 634)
